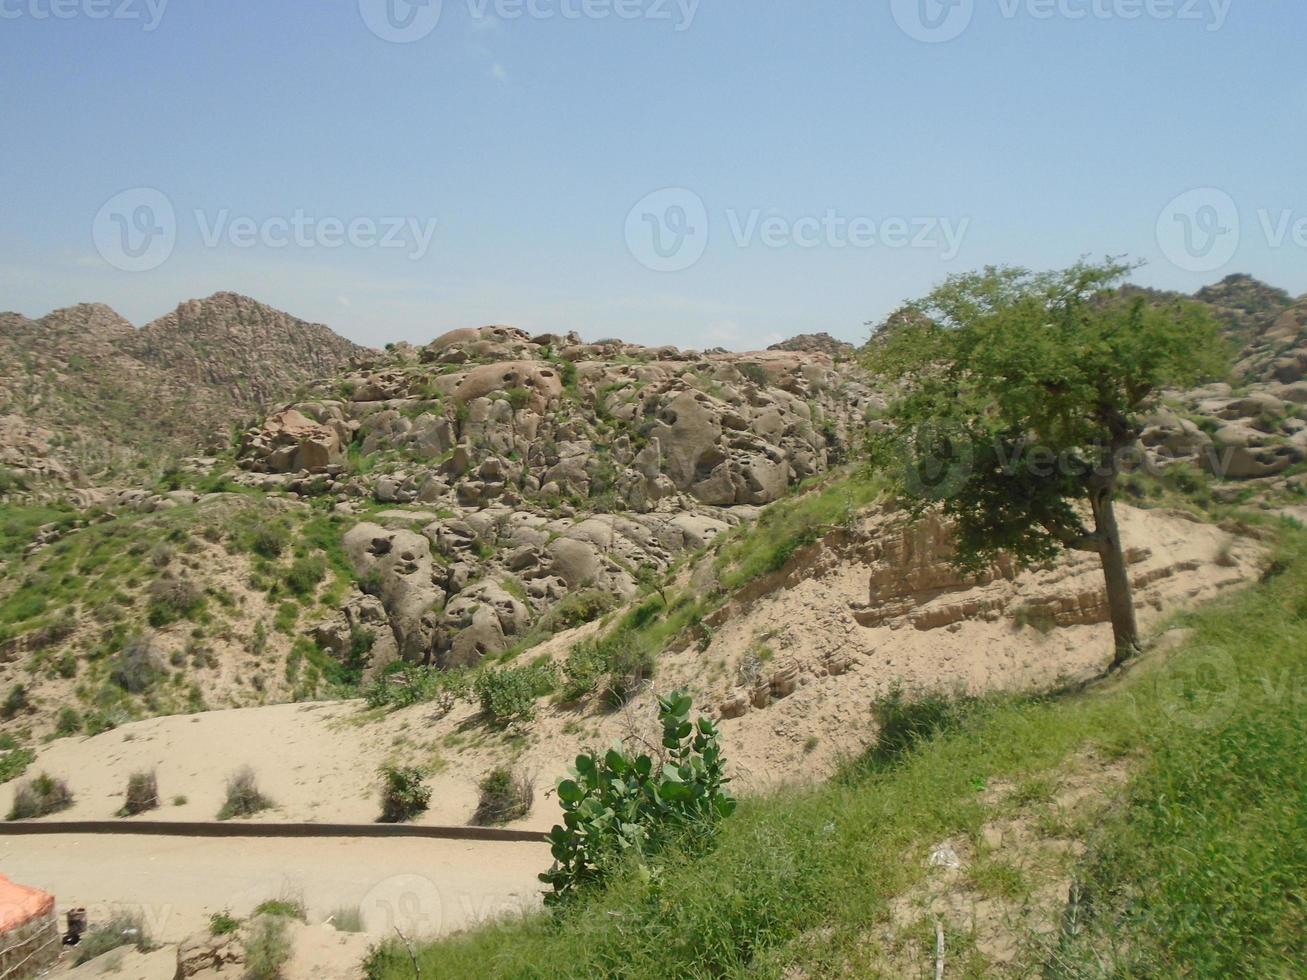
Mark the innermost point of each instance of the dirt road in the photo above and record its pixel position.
(423, 887)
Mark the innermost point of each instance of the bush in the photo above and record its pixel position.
(630, 666)
(121, 929)
(40, 797)
(404, 794)
(172, 600)
(505, 796)
(243, 796)
(509, 694)
(623, 656)
(223, 923)
(267, 947)
(142, 794)
(288, 905)
(138, 666)
(306, 574)
(268, 540)
(16, 702)
(619, 806)
(68, 723)
(905, 723)
(14, 763)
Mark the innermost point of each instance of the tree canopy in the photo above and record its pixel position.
(1016, 398)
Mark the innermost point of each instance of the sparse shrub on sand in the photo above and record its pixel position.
(142, 794)
(404, 793)
(243, 796)
(120, 929)
(347, 918)
(40, 797)
(267, 947)
(505, 796)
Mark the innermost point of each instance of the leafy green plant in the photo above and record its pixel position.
(620, 807)
(223, 923)
(509, 694)
(404, 793)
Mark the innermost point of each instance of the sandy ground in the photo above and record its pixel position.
(423, 887)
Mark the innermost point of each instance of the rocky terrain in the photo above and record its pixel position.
(87, 399)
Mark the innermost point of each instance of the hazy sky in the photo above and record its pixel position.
(669, 171)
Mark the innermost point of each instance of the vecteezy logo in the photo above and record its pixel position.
(933, 21)
(1201, 693)
(667, 231)
(937, 460)
(400, 21)
(1199, 230)
(410, 903)
(136, 230)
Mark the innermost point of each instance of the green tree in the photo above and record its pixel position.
(1016, 404)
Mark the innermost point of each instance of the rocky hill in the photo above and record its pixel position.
(85, 397)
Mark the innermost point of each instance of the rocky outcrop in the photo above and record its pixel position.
(493, 417)
(816, 343)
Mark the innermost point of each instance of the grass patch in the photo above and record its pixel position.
(1202, 873)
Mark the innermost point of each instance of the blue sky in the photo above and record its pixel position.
(824, 163)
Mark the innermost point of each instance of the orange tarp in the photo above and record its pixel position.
(19, 905)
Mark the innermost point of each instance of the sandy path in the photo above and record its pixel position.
(424, 887)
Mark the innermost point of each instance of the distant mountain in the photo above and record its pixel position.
(85, 396)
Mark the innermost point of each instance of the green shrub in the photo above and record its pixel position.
(223, 923)
(267, 947)
(142, 794)
(172, 600)
(287, 905)
(40, 797)
(16, 702)
(505, 796)
(618, 807)
(14, 763)
(908, 722)
(509, 694)
(268, 540)
(137, 666)
(243, 796)
(68, 723)
(121, 929)
(404, 794)
(577, 609)
(622, 661)
(306, 574)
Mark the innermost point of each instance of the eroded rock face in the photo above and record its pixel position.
(397, 564)
(291, 442)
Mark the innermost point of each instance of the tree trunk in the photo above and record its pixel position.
(1120, 594)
